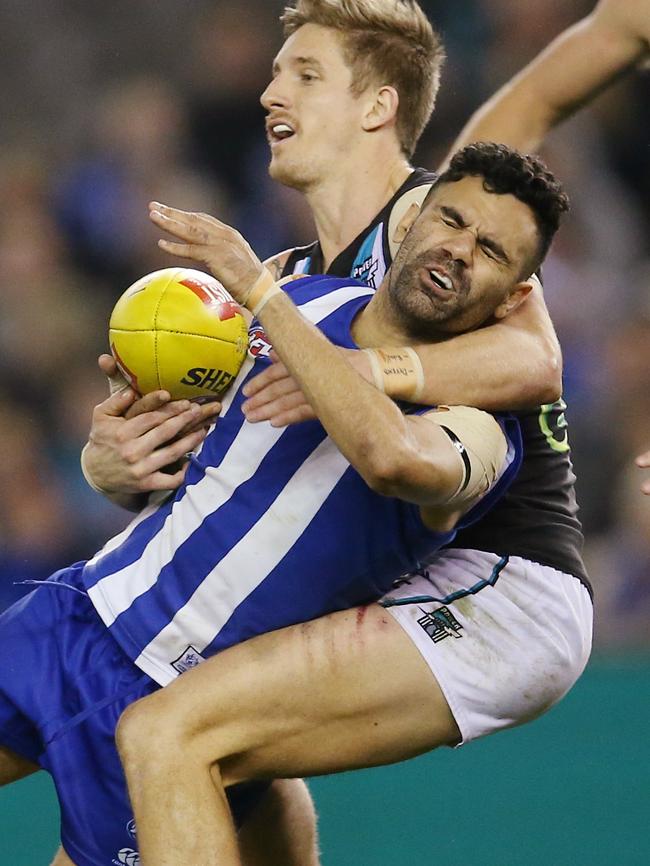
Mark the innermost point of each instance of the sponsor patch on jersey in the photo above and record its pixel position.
(127, 857)
(440, 623)
(189, 658)
(367, 271)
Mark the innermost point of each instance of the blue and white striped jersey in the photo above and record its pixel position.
(271, 527)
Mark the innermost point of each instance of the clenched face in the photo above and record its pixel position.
(462, 259)
(313, 118)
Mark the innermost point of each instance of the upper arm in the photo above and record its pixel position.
(450, 457)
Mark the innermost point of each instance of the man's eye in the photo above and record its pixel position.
(307, 76)
(488, 252)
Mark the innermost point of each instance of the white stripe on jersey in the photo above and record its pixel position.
(247, 564)
(115, 592)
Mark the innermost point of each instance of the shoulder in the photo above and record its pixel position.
(414, 191)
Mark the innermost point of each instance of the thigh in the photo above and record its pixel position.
(505, 638)
(14, 767)
(281, 831)
(347, 690)
(61, 859)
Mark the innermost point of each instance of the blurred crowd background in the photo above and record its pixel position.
(105, 106)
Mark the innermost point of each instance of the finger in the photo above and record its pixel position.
(117, 404)
(645, 488)
(152, 402)
(272, 410)
(163, 434)
(293, 416)
(164, 480)
(165, 422)
(643, 460)
(187, 217)
(272, 392)
(183, 251)
(262, 380)
(107, 365)
(172, 452)
(209, 413)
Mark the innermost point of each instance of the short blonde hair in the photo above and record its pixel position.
(385, 42)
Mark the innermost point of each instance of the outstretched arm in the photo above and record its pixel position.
(574, 68)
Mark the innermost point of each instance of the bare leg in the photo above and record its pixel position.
(62, 859)
(282, 829)
(14, 767)
(345, 691)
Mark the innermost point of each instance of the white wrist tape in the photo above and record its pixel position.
(86, 473)
(264, 288)
(397, 372)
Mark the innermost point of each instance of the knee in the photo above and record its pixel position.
(148, 730)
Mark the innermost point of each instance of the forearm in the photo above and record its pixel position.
(513, 364)
(366, 426)
(576, 66)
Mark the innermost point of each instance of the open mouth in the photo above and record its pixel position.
(440, 282)
(280, 132)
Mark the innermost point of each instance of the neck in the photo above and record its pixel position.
(376, 325)
(343, 205)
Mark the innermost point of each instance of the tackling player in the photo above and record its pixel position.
(357, 689)
(238, 550)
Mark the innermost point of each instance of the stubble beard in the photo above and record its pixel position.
(422, 315)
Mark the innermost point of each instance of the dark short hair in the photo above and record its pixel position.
(526, 176)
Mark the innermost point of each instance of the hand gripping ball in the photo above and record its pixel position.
(178, 330)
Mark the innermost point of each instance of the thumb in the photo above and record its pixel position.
(116, 381)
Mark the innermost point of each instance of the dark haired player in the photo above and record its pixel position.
(444, 658)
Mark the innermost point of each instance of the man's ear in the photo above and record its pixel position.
(382, 109)
(517, 296)
(406, 221)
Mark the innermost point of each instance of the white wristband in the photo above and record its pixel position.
(86, 473)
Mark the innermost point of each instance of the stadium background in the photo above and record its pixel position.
(105, 106)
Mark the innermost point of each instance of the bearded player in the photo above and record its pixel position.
(371, 69)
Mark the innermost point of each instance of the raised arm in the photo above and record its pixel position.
(404, 456)
(574, 68)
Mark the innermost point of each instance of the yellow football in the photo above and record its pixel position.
(178, 330)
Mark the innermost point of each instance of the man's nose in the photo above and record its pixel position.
(459, 246)
(273, 97)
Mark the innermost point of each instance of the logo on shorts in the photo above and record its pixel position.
(189, 658)
(440, 623)
(127, 857)
(130, 828)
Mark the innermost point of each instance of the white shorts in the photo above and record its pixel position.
(505, 638)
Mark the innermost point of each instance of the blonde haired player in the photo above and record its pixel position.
(581, 62)
(347, 149)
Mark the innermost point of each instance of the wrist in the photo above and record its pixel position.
(83, 460)
(261, 292)
(397, 372)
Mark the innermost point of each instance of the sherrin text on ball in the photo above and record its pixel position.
(179, 330)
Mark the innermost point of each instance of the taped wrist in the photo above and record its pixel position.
(397, 372)
(86, 473)
(261, 292)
